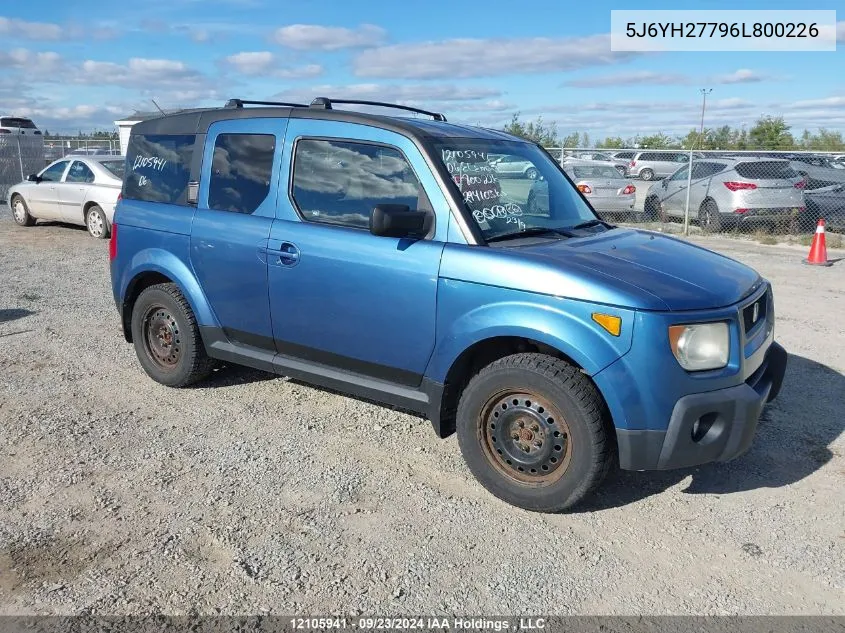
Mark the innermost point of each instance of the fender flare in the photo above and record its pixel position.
(165, 263)
(571, 332)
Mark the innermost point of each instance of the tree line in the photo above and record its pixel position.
(767, 133)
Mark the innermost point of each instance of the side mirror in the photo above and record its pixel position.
(33, 178)
(397, 220)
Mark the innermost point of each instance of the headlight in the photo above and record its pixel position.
(700, 346)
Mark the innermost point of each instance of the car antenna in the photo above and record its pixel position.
(157, 106)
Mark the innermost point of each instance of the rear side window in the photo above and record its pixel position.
(240, 172)
(703, 170)
(766, 170)
(340, 182)
(17, 122)
(79, 172)
(159, 167)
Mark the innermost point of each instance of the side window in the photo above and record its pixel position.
(241, 172)
(647, 156)
(681, 174)
(79, 172)
(158, 167)
(703, 170)
(340, 182)
(54, 172)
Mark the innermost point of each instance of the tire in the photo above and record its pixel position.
(96, 222)
(166, 337)
(531, 173)
(531, 203)
(20, 212)
(647, 174)
(559, 417)
(709, 218)
(651, 208)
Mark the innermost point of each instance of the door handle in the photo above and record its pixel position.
(286, 254)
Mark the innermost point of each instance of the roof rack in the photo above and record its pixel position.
(326, 104)
(240, 103)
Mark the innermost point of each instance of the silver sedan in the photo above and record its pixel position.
(79, 190)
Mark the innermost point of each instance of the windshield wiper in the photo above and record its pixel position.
(530, 232)
(589, 223)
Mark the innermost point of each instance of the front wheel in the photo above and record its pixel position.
(531, 173)
(167, 339)
(647, 174)
(20, 212)
(532, 429)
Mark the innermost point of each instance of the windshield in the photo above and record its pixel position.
(512, 187)
(116, 167)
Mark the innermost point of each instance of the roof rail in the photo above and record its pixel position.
(325, 103)
(240, 103)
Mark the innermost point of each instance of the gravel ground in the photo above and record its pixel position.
(255, 494)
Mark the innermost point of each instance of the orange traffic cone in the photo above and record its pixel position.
(818, 249)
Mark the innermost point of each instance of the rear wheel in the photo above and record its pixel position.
(167, 339)
(20, 212)
(709, 218)
(95, 221)
(647, 174)
(532, 430)
(531, 173)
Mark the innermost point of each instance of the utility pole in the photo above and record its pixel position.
(704, 93)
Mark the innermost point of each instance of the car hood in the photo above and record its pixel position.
(681, 275)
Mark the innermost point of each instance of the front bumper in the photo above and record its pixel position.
(729, 416)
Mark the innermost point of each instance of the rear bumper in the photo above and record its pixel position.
(729, 416)
(618, 204)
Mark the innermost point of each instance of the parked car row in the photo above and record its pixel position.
(732, 191)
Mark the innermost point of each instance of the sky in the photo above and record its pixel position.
(81, 65)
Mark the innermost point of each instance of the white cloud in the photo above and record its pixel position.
(486, 57)
(628, 79)
(23, 59)
(741, 76)
(399, 92)
(265, 63)
(829, 102)
(328, 38)
(13, 27)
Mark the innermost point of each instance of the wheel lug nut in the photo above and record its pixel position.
(536, 427)
(538, 444)
(515, 436)
(521, 424)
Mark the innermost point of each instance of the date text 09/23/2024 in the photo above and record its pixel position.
(417, 623)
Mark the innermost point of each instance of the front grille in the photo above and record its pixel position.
(757, 312)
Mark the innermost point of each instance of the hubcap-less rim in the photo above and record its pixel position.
(525, 438)
(162, 340)
(19, 211)
(95, 223)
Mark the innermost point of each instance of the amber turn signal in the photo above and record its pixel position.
(609, 322)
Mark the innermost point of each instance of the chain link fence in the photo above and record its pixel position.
(767, 196)
(56, 148)
(20, 155)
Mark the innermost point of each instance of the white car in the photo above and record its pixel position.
(81, 190)
(18, 125)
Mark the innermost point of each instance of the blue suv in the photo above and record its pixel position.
(385, 257)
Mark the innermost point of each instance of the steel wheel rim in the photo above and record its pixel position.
(532, 174)
(95, 223)
(19, 211)
(162, 339)
(525, 438)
